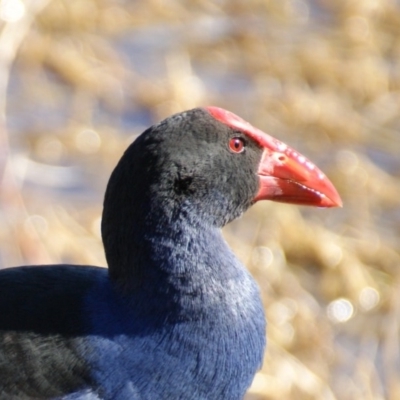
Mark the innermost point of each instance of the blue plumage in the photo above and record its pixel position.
(208, 347)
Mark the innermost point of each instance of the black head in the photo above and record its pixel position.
(187, 166)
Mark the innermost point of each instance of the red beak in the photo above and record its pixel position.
(288, 177)
(285, 175)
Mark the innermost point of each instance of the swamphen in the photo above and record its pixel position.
(176, 315)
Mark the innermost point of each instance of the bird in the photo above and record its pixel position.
(175, 315)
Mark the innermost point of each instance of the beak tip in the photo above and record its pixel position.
(332, 204)
(333, 200)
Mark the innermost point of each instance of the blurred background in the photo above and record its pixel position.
(80, 79)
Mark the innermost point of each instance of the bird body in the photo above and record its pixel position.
(175, 315)
(189, 349)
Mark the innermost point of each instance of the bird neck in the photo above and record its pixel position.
(169, 258)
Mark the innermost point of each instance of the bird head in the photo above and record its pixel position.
(209, 165)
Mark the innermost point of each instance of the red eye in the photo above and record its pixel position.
(236, 145)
